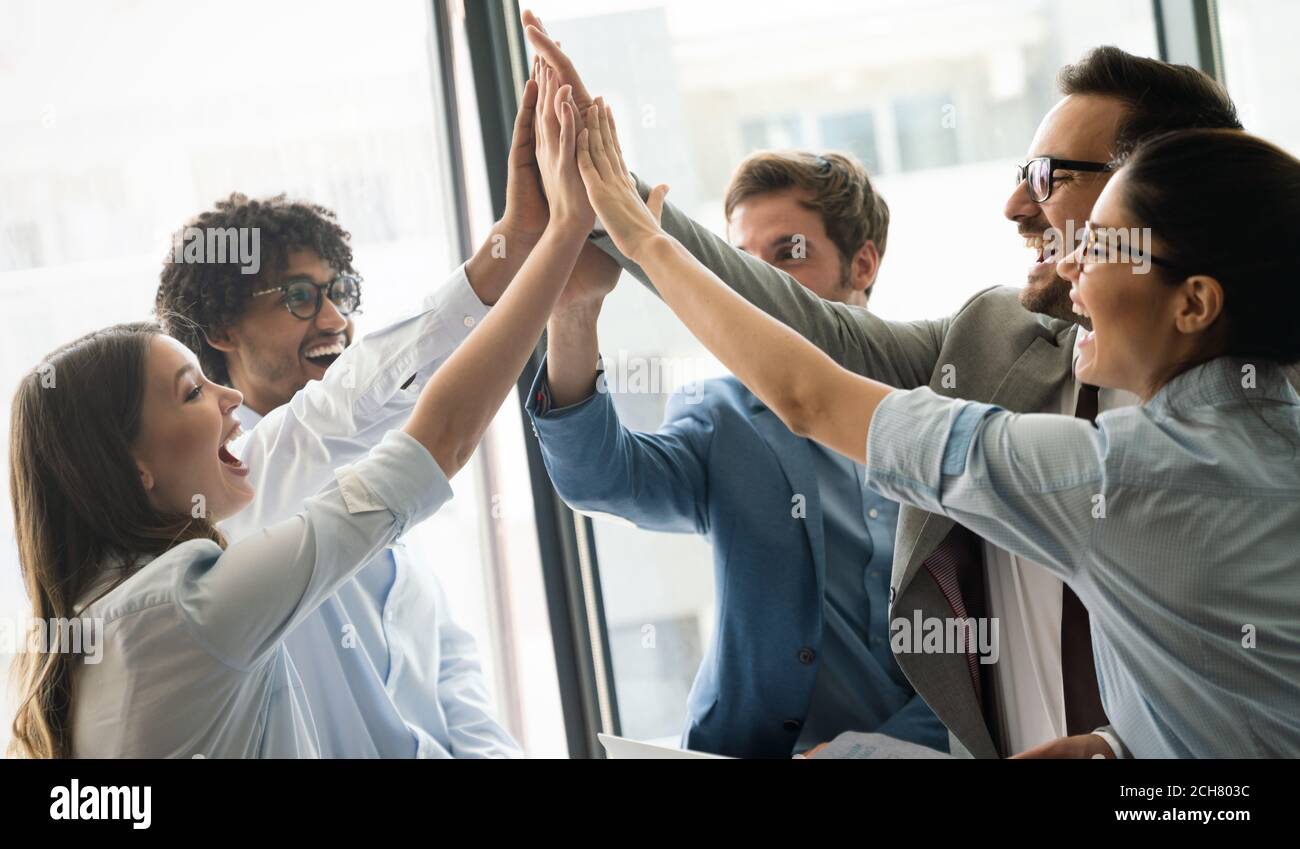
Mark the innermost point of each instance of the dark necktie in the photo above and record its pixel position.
(957, 567)
(1083, 710)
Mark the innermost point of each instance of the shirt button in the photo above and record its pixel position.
(875, 640)
(792, 725)
(469, 321)
(807, 655)
(873, 513)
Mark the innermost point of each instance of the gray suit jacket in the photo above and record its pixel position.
(991, 350)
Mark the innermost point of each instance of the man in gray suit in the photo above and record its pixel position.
(1014, 348)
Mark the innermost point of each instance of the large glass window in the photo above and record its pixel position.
(938, 98)
(123, 120)
(1260, 68)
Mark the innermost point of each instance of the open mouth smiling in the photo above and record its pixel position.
(323, 354)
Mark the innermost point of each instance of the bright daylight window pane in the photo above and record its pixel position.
(1258, 38)
(938, 98)
(112, 142)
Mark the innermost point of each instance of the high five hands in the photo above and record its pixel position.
(631, 222)
(556, 131)
(610, 188)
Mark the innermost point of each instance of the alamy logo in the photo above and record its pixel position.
(635, 375)
(240, 246)
(82, 636)
(953, 635)
(76, 802)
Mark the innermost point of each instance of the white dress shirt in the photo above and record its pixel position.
(1026, 599)
(385, 669)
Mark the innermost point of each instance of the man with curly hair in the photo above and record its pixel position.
(235, 322)
(386, 671)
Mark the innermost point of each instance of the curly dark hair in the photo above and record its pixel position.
(196, 298)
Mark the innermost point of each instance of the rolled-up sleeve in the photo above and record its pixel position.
(1030, 483)
(241, 605)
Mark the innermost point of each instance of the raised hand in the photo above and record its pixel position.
(631, 222)
(555, 57)
(526, 209)
(556, 129)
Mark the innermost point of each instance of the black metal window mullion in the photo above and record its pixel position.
(1187, 33)
(565, 540)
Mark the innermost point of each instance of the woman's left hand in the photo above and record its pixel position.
(631, 222)
(555, 128)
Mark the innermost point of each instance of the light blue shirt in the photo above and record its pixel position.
(1176, 522)
(385, 669)
(858, 684)
(193, 660)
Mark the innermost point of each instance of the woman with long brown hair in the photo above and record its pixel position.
(120, 474)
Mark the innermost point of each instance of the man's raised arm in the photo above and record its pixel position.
(902, 354)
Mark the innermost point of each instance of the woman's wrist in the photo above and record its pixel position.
(569, 224)
(653, 247)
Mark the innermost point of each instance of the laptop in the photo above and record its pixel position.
(621, 748)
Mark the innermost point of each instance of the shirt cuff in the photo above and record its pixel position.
(915, 439)
(540, 404)
(1107, 733)
(398, 475)
(456, 301)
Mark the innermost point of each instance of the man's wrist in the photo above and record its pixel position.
(511, 229)
(515, 238)
(582, 315)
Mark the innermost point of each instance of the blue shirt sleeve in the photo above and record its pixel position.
(1030, 483)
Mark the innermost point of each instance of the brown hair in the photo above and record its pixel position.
(853, 212)
(79, 504)
(1160, 97)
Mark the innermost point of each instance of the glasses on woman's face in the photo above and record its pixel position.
(1097, 250)
(1037, 173)
(302, 295)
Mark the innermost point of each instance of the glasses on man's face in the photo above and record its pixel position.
(1038, 174)
(1097, 251)
(302, 295)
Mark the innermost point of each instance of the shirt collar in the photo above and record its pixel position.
(248, 417)
(112, 571)
(1074, 356)
(1225, 380)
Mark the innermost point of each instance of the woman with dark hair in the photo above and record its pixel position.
(1177, 522)
(120, 473)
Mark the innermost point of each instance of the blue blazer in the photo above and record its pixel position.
(725, 467)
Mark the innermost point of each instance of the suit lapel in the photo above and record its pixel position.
(1028, 386)
(795, 456)
(944, 679)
